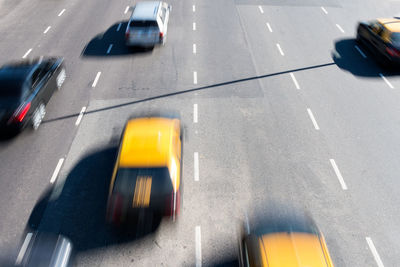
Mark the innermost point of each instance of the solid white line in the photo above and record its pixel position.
(119, 27)
(195, 114)
(194, 8)
(126, 10)
(386, 80)
(269, 27)
(261, 9)
(338, 174)
(195, 77)
(361, 52)
(109, 49)
(313, 119)
(22, 251)
(194, 26)
(47, 29)
(294, 80)
(340, 28)
(27, 53)
(280, 49)
(374, 252)
(198, 246)
(196, 166)
(57, 170)
(62, 12)
(194, 49)
(323, 9)
(78, 120)
(96, 79)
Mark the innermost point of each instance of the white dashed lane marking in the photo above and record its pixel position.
(27, 53)
(198, 246)
(269, 27)
(57, 170)
(62, 12)
(360, 51)
(96, 79)
(338, 174)
(323, 9)
(78, 120)
(195, 113)
(340, 28)
(196, 166)
(386, 80)
(109, 48)
(194, 26)
(280, 50)
(261, 9)
(194, 8)
(294, 81)
(126, 10)
(194, 49)
(47, 29)
(313, 119)
(374, 252)
(194, 77)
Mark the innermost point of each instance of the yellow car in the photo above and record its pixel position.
(285, 244)
(147, 172)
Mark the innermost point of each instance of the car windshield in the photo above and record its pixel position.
(10, 87)
(395, 38)
(126, 178)
(143, 23)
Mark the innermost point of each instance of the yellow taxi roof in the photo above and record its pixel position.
(391, 24)
(146, 142)
(292, 249)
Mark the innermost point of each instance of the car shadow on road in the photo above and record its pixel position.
(349, 59)
(77, 210)
(99, 46)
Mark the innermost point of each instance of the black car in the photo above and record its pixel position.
(25, 89)
(382, 37)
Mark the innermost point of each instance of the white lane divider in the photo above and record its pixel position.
(62, 12)
(294, 80)
(78, 120)
(195, 113)
(360, 51)
(194, 49)
(198, 246)
(269, 27)
(280, 49)
(261, 9)
(47, 29)
(323, 9)
(22, 251)
(109, 49)
(194, 26)
(374, 252)
(57, 170)
(96, 79)
(313, 119)
(194, 77)
(194, 8)
(386, 80)
(196, 166)
(126, 10)
(338, 174)
(119, 27)
(340, 28)
(27, 53)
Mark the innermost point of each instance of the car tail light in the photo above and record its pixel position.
(161, 35)
(22, 111)
(393, 52)
(126, 35)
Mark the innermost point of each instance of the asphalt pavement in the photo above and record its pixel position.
(281, 111)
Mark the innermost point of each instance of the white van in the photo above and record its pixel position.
(148, 24)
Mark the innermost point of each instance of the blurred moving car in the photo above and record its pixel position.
(45, 249)
(25, 89)
(148, 24)
(382, 37)
(147, 172)
(285, 244)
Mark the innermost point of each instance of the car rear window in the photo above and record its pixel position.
(10, 88)
(143, 23)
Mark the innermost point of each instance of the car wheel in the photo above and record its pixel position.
(38, 116)
(61, 78)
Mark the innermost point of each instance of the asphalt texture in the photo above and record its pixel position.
(262, 68)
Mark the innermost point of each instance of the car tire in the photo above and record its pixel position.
(61, 78)
(38, 115)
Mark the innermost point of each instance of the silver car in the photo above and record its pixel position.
(148, 24)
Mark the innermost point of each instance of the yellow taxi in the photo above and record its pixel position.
(382, 37)
(285, 245)
(147, 172)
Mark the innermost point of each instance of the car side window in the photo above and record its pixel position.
(35, 77)
(385, 35)
(376, 28)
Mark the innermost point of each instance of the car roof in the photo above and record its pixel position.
(146, 10)
(146, 142)
(292, 249)
(392, 24)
